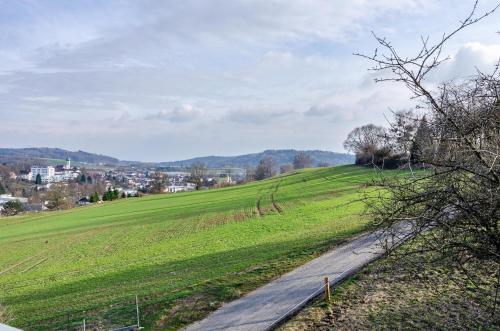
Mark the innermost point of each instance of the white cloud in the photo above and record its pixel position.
(244, 74)
(146, 33)
(184, 113)
(468, 59)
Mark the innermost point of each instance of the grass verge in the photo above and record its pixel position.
(395, 294)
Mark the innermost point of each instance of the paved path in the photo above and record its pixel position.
(264, 307)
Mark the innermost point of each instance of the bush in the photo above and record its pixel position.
(12, 207)
(382, 158)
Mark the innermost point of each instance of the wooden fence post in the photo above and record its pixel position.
(137, 312)
(327, 289)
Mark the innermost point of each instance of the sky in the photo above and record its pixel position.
(167, 80)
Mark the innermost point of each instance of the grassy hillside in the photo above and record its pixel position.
(182, 254)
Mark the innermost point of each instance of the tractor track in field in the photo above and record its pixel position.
(42, 259)
(259, 207)
(35, 264)
(274, 204)
(273, 201)
(20, 263)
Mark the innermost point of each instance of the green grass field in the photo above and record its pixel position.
(182, 254)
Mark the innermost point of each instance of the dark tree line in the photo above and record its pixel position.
(111, 195)
(85, 179)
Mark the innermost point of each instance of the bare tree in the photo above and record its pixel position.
(286, 168)
(458, 199)
(198, 173)
(302, 160)
(158, 183)
(266, 168)
(401, 131)
(365, 141)
(59, 197)
(249, 173)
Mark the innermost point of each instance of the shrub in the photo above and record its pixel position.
(12, 207)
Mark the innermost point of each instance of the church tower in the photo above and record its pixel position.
(67, 166)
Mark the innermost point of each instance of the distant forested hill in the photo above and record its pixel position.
(37, 154)
(281, 157)
(54, 153)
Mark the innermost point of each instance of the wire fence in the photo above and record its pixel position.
(123, 316)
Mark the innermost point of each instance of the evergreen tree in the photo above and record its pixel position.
(94, 197)
(422, 143)
(38, 180)
(2, 189)
(108, 195)
(83, 179)
(89, 179)
(124, 195)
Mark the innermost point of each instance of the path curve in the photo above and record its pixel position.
(266, 306)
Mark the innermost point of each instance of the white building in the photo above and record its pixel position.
(181, 188)
(49, 174)
(130, 192)
(46, 173)
(65, 176)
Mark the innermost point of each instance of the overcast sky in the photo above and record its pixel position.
(166, 80)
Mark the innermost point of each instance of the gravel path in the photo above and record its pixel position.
(265, 307)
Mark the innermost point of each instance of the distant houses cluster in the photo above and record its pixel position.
(41, 187)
